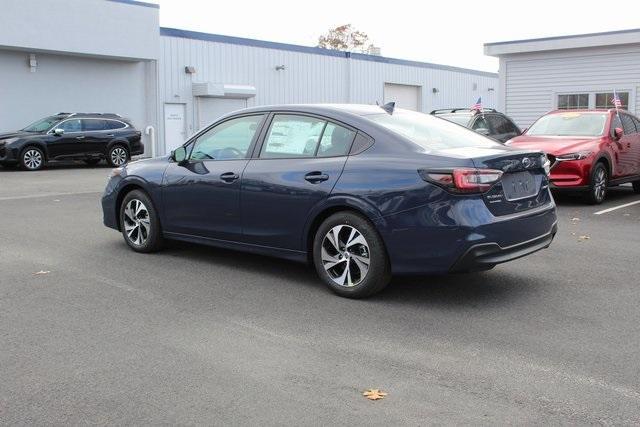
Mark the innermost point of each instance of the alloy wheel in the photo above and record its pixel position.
(137, 222)
(345, 255)
(600, 184)
(118, 156)
(32, 159)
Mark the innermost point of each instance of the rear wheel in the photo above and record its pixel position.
(140, 223)
(118, 155)
(598, 186)
(32, 159)
(350, 257)
(636, 187)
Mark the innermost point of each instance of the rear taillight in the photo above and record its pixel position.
(463, 180)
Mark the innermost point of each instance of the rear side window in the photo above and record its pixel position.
(90, 125)
(336, 141)
(292, 136)
(114, 124)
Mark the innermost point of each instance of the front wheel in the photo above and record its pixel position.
(350, 257)
(118, 155)
(599, 183)
(32, 159)
(140, 223)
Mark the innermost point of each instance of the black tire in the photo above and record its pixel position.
(148, 237)
(636, 187)
(598, 184)
(92, 162)
(118, 155)
(354, 283)
(32, 158)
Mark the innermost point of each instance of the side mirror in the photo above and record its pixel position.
(179, 155)
(58, 131)
(618, 133)
(483, 131)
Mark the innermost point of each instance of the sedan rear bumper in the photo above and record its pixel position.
(485, 255)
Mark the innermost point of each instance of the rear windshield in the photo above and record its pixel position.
(430, 132)
(461, 119)
(569, 124)
(42, 124)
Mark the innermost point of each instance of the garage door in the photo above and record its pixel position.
(405, 96)
(210, 109)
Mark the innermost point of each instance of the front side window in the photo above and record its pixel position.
(91, 125)
(501, 125)
(430, 132)
(481, 123)
(573, 101)
(627, 124)
(42, 125)
(292, 136)
(228, 140)
(73, 125)
(605, 100)
(569, 124)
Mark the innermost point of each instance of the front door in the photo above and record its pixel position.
(67, 144)
(625, 161)
(299, 163)
(201, 196)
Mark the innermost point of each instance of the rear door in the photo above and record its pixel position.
(295, 168)
(66, 145)
(635, 147)
(625, 156)
(95, 137)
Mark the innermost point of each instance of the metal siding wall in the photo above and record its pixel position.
(308, 78)
(533, 80)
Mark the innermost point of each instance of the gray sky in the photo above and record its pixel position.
(445, 32)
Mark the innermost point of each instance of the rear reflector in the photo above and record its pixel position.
(463, 180)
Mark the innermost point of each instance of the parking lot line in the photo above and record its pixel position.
(616, 207)
(36, 196)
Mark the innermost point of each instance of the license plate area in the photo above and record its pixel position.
(519, 185)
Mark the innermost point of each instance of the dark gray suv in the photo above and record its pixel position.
(489, 122)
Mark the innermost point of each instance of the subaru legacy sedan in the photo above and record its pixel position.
(359, 191)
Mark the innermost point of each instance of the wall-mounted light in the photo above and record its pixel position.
(190, 69)
(33, 63)
(435, 90)
(280, 68)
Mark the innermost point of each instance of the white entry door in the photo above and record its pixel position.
(174, 126)
(405, 96)
(211, 109)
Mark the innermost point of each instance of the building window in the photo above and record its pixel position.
(605, 100)
(573, 101)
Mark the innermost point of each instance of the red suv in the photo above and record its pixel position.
(589, 150)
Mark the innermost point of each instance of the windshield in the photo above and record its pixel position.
(430, 132)
(43, 124)
(569, 124)
(461, 119)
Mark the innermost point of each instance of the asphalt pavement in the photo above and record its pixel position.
(91, 332)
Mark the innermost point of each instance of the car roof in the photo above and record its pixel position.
(354, 109)
(90, 115)
(587, 110)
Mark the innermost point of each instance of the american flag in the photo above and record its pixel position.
(477, 105)
(616, 100)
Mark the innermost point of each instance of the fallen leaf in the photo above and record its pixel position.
(374, 394)
(56, 200)
(575, 219)
(573, 234)
(627, 214)
(584, 238)
(41, 272)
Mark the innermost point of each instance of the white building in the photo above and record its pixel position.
(580, 71)
(112, 56)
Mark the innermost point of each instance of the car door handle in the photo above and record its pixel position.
(229, 176)
(316, 177)
(110, 135)
(79, 137)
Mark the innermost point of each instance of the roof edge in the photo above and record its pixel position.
(196, 35)
(137, 3)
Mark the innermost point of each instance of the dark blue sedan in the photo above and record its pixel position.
(360, 191)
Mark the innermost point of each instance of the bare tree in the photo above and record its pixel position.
(345, 37)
